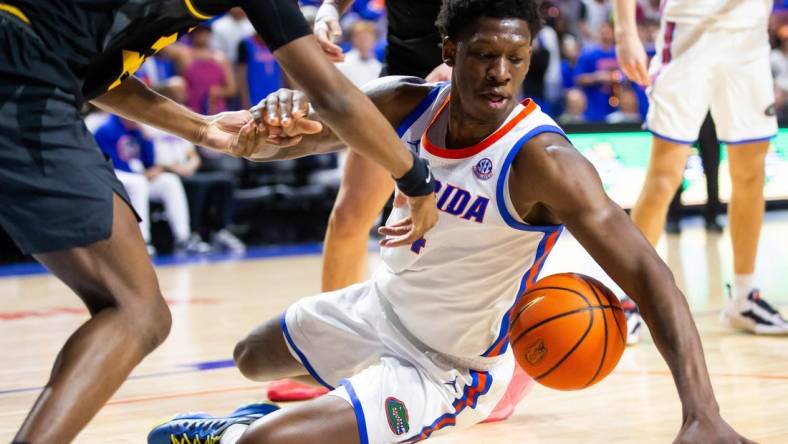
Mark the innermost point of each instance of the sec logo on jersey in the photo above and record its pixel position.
(483, 169)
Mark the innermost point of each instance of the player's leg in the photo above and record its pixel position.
(263, 354)
(115, 280)
(364, 190)
(663, 177)
(744, 115)
(746, 163)
(327, 419)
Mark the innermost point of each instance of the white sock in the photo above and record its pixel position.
(233, 433)
(742, 286)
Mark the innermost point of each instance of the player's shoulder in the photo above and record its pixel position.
(397, 96)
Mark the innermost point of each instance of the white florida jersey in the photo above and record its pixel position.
(454, 288)
(726, 14)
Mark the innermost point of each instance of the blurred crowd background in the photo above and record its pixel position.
(196, 201)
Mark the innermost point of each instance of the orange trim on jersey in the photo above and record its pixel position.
(462, 153)
(196, 12)
(16, 12)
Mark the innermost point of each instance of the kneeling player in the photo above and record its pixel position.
(421, 348)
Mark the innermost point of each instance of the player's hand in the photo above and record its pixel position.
(442, 73)
(423, 216)
(327, 30)
(284, 116)
(703, 430)
(632, 58)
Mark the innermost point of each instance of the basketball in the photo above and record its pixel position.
(568, 331)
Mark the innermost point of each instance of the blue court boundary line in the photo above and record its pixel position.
(182, 368)
(276, 251)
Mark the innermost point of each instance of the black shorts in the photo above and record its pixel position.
(56, 186)
(412, 57)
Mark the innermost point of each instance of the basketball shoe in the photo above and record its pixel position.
(520, 385)
(753, 314)
(289, 390)
(202, 428)
(634, 321)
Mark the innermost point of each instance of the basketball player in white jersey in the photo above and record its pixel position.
(713, 54)
(421, 349)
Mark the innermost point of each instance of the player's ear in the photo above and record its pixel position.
(449, 51)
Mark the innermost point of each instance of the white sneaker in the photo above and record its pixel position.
(634, 321)
(227, 240)
(753, 315)
(193, 245)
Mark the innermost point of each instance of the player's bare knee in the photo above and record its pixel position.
(151, 320)
(741, 177)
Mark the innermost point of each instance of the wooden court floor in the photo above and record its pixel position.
(215, 304)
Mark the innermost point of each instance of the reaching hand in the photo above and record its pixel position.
(423, 216)
(327, 29)
(632, 58)
(709, 431)
(284, 114)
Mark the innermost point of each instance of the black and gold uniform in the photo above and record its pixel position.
(55, 184)
(414, 43)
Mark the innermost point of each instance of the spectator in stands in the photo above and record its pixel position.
(575, 109)
(208, 75)
(570, 50)
(228, 32)
(133, 158)
(210, 193)
(574, 19)
(779, 62)
(597, 74)
(360, 64)
(257, 72)
(599, 13)
(628, 108)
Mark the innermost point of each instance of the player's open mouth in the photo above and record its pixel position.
(496, 101)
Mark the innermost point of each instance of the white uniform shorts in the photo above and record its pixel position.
(351, 342)
(697, 68)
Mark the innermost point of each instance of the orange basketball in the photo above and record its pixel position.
(568, 331)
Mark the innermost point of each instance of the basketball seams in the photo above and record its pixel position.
(572, 350)
(576, 293)
(604, 320)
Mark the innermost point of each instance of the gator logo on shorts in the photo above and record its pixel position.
(397, 415)
(535, 352)
(771, 110)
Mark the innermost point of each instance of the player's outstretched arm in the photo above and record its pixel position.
(552, 180)
(630, 52)
(293, 129)
(233, 133)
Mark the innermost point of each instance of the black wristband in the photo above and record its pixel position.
(418, 181)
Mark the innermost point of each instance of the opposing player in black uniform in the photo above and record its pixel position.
(61, 202)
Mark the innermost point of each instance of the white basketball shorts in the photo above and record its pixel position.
(351, 342)
(698, 68)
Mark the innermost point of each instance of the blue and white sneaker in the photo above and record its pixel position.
(202, 428)
(754, 315)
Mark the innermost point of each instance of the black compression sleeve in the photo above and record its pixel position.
(278, 22)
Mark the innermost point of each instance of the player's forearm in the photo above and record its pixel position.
(135, 101)
(631, 261)
(625, 16)
(670, 321)
(349, 113)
